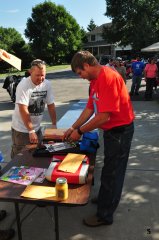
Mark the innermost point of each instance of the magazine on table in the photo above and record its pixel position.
(24, 175)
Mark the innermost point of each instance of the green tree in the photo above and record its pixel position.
(53, 33)
(84, 35)
(135, 22)
(12, 41)
(91, 26)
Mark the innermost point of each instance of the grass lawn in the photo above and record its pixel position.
(48, 69)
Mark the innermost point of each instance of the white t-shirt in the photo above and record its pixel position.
(35, 97)
(111, 66)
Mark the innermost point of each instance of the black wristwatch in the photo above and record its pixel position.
(79, 131)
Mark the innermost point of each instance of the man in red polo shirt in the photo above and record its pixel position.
(110, 101)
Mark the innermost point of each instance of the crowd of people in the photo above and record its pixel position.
(109, 108)
(137, 69)
(113, 115)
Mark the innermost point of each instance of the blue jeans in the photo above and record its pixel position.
(136, 82)
(117, 143)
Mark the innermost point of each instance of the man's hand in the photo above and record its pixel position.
(67, 134)
(74, 136)
(33, 138)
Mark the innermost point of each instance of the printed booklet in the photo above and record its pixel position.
(24, 175)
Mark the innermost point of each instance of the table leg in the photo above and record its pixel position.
(56, 217)
(18, 221)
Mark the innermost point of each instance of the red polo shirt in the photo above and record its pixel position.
(109, 94)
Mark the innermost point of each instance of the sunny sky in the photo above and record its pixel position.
(14, 13)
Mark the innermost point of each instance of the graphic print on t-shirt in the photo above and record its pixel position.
(37, 103)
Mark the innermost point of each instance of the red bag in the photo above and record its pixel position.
(79, 177)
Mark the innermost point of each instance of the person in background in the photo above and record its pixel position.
(32, 94)
(128, 69)
(110, 101)
(150, 73)
(27, 73)
(8, 233)
(120, 69)
(156, 83)
(137, 70)
(157, 63)
(111, 64)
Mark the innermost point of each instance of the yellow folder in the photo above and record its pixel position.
(38, 192)
(71, 162)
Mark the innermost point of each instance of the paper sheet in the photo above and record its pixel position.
(71, 162)
(38, 192)
(11, 59)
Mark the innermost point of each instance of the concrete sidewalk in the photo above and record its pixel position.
(137, 217)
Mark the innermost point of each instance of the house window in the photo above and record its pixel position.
(93, 38)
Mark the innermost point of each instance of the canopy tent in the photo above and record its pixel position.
(152, 48)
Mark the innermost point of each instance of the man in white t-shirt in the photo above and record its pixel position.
(32, 94)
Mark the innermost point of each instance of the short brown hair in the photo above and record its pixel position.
(83, 57)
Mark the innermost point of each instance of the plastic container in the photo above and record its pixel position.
(61, 188)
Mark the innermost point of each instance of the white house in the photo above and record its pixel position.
(98, 46)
